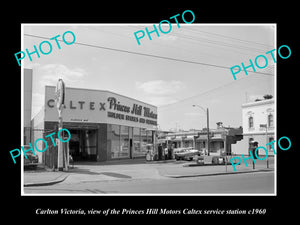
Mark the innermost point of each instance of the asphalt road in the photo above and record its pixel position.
(248, 183)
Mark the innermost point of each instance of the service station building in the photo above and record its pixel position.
(103, 125)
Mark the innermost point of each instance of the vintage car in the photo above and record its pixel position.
(218, 160)
(31, 160)
(185, 153)
(214, 160)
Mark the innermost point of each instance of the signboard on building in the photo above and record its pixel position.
(97, 106)
(217, 135)
(60, 94)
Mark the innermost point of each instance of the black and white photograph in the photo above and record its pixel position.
(173, 108)
(149, 113)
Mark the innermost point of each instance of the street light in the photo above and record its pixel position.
(207, 120)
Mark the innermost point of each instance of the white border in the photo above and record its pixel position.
(146, 194)
(22, 113)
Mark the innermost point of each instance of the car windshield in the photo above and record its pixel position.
(178, 150)
(29, 153)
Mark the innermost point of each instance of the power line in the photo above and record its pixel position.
(216, 42)
(190, 28)
(220, 43)
(162, 107)
(202, 93)
(228, 37)
(148, 55)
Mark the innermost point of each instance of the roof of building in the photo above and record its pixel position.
(87, 89)
(222, 130)
(261, 102)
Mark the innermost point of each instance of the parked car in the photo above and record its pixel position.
(31, 160)
(218, 160)
(177, 151)
(215, 160)
(185, 153)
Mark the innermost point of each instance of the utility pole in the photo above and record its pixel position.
(208, 139)
(225, 151)
(207, 124)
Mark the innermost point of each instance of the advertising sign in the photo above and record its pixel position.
(60, 94)
(97, 106)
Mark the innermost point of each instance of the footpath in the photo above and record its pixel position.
(194, 170)
(134, 169)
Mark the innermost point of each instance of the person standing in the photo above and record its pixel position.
(169, 153)
(166, 153)
(160, 152)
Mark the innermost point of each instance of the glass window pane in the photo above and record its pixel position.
(137, 143)
(250, 122)
(124, 142)
(143, 140)
(270, 145)
(114, 139)
(149, 137)
(150, 141)
(270, 120)
(90, 142)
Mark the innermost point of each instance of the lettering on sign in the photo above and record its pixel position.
(113, 104)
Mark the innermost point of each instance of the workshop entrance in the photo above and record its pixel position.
(83, 144)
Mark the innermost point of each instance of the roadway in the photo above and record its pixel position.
(244, 183)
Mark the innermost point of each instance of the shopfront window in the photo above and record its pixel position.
(114, 137)
(124, 142)
(149, 137)
(137, 150)
(143, 140)
(188, 144)
(90, 144)
(120, 138)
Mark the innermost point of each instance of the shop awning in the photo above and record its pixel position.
(202, 137)
(216, 139)
(159, 141)
(176, 139)
(188, 138)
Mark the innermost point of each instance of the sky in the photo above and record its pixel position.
(101, 58)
